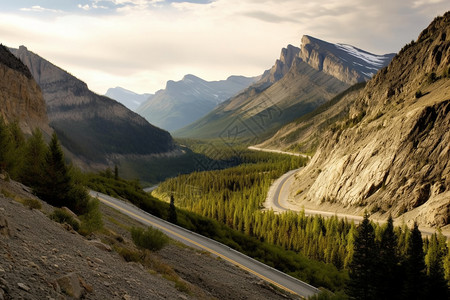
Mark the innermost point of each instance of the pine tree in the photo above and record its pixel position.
(16, 151)
(34, 157)
(437, 284)
(55, 182)
(388, 279)
(172, 211)
(415, 277)
(116, 172)
(362, 267)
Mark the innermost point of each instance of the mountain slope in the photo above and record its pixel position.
(306, 133)
(94, 128)
(391, 154)
(182, 102)
(20, 97)
(128, 98)
(301, 80)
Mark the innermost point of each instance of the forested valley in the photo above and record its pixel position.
(234, 197)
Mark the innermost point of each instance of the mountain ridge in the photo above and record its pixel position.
(298, 82)
(183, 102)
(94, 128)
(127, 97)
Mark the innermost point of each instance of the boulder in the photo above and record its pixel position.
(70, 285)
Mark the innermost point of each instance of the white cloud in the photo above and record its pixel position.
(146, 43)
(84, 7)
(37, 8)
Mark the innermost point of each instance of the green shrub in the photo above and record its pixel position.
(151, 239)
(92, 220)
(32, 203)
(419, 94)
(61, 216)
(129, 255)
(432, 77)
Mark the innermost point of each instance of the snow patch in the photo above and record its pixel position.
(372, 59)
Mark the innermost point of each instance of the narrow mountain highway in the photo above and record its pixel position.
(278, 200)
(190, 238)
(278, 151)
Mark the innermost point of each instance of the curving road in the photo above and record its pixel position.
(190, 238)
(278, 200)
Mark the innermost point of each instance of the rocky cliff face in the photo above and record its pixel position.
(347, 63)
(92, 127)
(391, 155)
(20, 96)
(282, 65)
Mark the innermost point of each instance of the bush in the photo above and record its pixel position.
(77, 199)
(151, 239)
(419, 94)
(62, 217)
(129, 255)
(32, 203)
(92, 220)
(432, 77)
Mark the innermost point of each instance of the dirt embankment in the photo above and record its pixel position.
(41, 259)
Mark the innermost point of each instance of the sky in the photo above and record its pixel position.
(141, 44)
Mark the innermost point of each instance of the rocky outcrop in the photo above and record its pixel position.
(391, 154)
(282, 65)
(347, 63)
(20, 97)
(93, 128)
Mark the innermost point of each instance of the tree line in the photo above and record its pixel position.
(42, 167)
(234, 197)
(383, 267)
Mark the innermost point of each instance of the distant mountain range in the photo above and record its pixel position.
(128, 98)
(183, 102)
(299, 81)
(95, 129)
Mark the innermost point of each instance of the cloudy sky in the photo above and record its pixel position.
(140, 44)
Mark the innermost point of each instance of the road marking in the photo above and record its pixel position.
(198, 244)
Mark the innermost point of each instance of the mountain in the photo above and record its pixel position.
(20, 96)
(388, 151)
(94, 128)
(300, 80)
(128, 98)
(182, 102)
(345, 62)
(304, 134)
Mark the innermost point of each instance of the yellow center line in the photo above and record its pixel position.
(197, 244)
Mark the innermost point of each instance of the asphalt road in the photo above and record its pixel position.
(190, 238)
(278, 196)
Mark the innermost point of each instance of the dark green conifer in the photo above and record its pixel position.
(388, 279)
(172, 211)
(32, 168)
(437, 284)
(362, 267)
(415, 278)
(55, 182)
